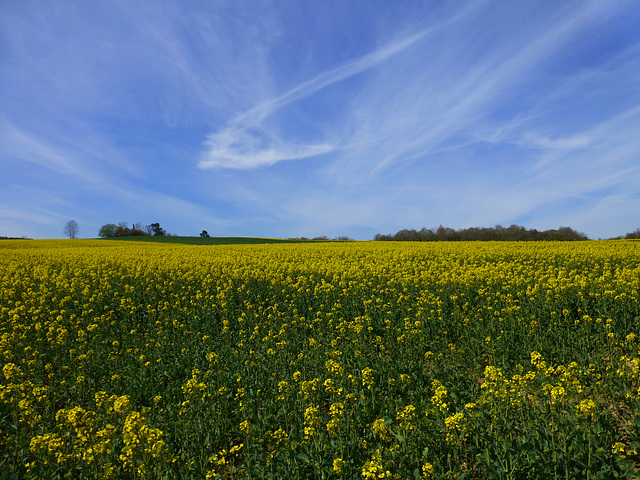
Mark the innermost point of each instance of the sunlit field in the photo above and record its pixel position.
(331, 360)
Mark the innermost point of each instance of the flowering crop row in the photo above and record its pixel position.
(350, 360)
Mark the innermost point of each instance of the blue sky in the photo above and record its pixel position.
(304, 118)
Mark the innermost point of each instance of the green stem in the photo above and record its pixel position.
(589, 454)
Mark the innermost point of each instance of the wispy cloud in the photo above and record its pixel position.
(240, 149)
(21, 214)
(19, 145)
(448, 102)
(246, 143)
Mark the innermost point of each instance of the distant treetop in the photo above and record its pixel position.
(633, 235)
(137, 230)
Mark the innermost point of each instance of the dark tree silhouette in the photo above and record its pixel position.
(157, 231)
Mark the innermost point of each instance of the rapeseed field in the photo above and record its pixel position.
(366, 360)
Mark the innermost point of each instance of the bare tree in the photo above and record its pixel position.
(71, 229)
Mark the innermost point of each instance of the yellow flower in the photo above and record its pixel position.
(406, 416)
(618, 448)
(586, 407)
(245, 426)
(283, 386)
(373, 468)
(557, 394)
(100, 398)
(310, 421)
(438, 398)
(334, 367)
(380, 429)
(122, 404)
(338, 465)
(455, 425)
(11, 371)
(367, 377)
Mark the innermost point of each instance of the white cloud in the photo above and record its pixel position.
(400, 121)
(238, 146)
(241, 149)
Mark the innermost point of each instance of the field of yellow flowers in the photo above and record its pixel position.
(329, 360)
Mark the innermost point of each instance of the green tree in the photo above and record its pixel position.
(108, 230)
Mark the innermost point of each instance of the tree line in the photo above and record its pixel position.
(497, 233)
(137, 230)
(442, 234)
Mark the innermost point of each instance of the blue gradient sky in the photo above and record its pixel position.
(305, 118)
